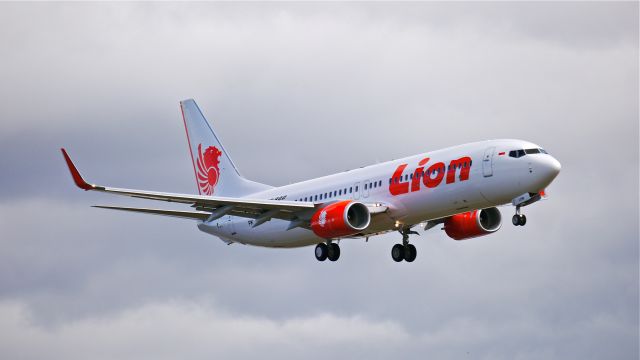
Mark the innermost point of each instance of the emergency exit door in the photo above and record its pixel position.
(487, 162)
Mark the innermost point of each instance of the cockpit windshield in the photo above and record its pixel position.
(516, 153)
(520, 153)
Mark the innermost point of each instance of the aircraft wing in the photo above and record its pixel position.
(214, 207)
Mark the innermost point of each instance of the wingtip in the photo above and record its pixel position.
(185, 101)
(75, 174)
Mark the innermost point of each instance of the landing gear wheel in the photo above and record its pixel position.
(410, 253)
(397, 252)
(334, 252)
(322, 251)
(515, 220)
(519, 220)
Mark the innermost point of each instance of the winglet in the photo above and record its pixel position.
(77, 178)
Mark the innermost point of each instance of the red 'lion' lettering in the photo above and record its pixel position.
(415, 182)
(463, 165)
(430, 178)
(397, 186)
(437, 170)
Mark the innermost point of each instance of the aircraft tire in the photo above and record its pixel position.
(321, 252)
(410, 253)
(515, 220)
(523, 220)
(333, 252)
(397, 252)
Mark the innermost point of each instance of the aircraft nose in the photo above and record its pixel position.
(552, 167)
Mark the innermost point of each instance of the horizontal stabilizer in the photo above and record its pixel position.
(194, 215)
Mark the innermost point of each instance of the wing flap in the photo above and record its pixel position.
(194, 215)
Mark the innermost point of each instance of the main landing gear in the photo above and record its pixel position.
(404, 251)
(326, 251)
(518, 219)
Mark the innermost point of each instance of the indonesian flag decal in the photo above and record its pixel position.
(208, 169)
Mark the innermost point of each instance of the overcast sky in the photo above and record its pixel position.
(297, 91)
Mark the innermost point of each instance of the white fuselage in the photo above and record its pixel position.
(494, 178)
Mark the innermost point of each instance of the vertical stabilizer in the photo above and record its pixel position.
(215, 172)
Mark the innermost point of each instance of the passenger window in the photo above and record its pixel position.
(340, 192)
(335, 193)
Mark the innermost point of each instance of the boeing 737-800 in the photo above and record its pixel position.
(459, 187)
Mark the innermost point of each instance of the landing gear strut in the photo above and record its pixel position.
(326, 251)
(518, 219)
(404, 251)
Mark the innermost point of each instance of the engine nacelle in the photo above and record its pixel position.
(473, 223)
(339, 219)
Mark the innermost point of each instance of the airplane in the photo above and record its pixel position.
(459, 187)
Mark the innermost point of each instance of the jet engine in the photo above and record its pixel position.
(339, 219)
(473, 224)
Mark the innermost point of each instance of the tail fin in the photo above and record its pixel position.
(215, 173)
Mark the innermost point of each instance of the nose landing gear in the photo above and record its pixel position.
(518, 219)
(404, 251)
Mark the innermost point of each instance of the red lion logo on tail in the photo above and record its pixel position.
(208, 171)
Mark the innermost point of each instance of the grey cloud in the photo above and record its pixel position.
(298, 91)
